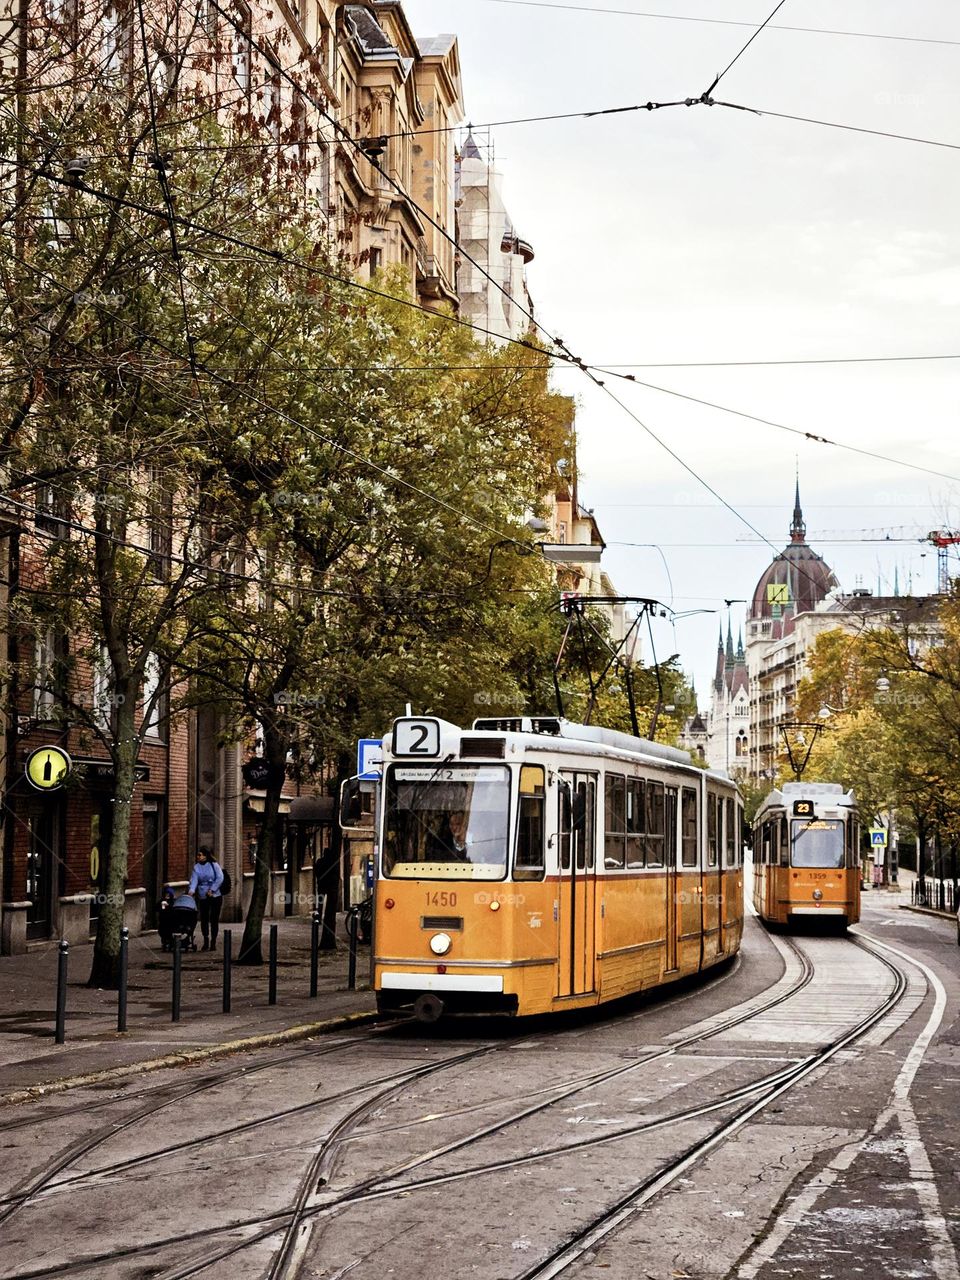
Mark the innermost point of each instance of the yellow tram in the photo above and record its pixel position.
(531, 865)
(806, 855)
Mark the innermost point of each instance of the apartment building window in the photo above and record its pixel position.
(272, 109)
(376, 261)
(152, 698)
(111, 39)
(45, 688)
(50, 510)
(240, 48)
(159, 524)
(207, 18)
(102, 689)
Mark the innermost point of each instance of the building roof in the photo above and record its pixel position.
(806, 575)
(435, 46)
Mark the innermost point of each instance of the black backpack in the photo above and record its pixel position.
(227, 884)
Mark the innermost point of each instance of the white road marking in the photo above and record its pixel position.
(943, 1254)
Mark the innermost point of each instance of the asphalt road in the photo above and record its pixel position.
(792, 1116)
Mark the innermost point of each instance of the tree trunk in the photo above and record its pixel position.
(105, 970)
(268, 842)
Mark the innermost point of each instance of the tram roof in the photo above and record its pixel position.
(591, 734)
(826, 792)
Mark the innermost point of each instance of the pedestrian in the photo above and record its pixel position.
(206, 883)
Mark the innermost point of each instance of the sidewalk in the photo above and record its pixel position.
(30, 1060)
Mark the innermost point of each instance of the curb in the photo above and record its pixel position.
(928, 911)
(188, 1057)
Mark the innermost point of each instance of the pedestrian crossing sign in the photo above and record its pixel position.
(878, 838)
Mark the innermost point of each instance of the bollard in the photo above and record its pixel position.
(175, 1004)
(314, 951)
(227, 968)
(272, 991)
(122, 993)
(353, 925)
(60, 1032)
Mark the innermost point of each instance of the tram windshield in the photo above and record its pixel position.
(447, 823)
(818, 842)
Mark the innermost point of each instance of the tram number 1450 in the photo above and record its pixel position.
(441, 898)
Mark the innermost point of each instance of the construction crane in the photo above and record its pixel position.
(943, 539)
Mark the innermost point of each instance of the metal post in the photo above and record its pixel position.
(227, 968)
(175, 1008)
(314, 951)
(60, 1033)
(272, 991)
(353, 924)
(122, 993)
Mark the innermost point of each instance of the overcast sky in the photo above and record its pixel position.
(707, 234)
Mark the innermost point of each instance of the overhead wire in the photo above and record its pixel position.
(341, 132)
(814, 437)
(565, 356)
(833, 124)
(309, 430)
(722, 22)
(779, 5)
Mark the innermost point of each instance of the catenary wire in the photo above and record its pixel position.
(722, 22)
(779, 5)
(279, 413)
(833, 124)
(567, 356)
(815, 438)
(339, 129)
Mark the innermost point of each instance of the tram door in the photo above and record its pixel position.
(673, 904)
(577, 888)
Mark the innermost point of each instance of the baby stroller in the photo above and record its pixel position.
(177, 918)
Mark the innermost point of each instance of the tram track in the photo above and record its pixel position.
(374, 1188)
(588, 1237)
(172, 1094)
(292, 1223)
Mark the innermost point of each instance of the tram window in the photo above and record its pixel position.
(564, 823)
(818, 842)
(766, 841)
(730, 832)
(654, 824)
(784, 843)
(615, 821)
(636, 801)
(712, 835)
(688, 828)
(530, 864)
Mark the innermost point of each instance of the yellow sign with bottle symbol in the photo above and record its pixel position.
(47, 768)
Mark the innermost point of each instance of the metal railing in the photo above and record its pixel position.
(357, 931)
(935, 894)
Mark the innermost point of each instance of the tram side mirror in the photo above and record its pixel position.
(351, 803)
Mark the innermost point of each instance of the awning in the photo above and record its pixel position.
(312, 809)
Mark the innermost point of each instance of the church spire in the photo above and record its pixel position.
(798, 530)
(728, 657)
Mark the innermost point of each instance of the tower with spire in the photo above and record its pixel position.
(728, 718)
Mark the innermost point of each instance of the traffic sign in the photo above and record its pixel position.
(369, 758)
(878, 837)
(47, 768)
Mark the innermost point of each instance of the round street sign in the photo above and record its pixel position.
(47, 768)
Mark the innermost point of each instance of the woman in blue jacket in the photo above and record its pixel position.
(205, 883)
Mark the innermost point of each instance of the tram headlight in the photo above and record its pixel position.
(440, 944)
(817, 895)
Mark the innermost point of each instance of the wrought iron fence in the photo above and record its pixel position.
(938, 895)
